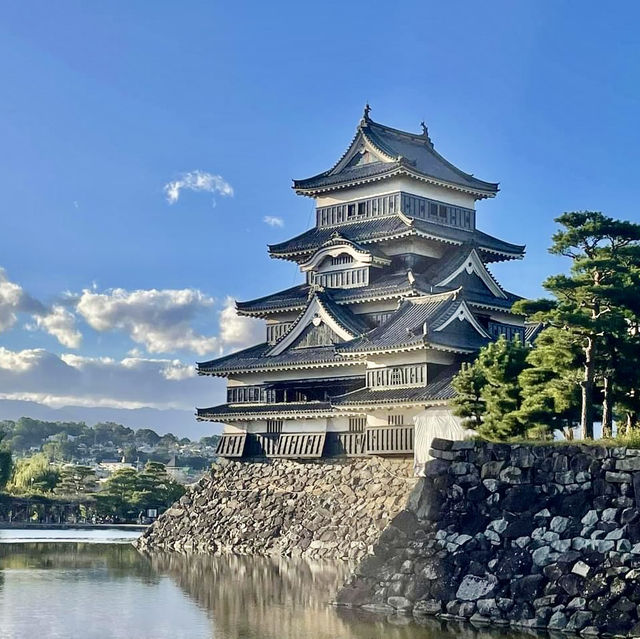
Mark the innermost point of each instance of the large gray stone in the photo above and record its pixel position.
(628, 464)
(473, 588)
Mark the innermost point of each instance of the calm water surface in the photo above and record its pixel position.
(52, 589)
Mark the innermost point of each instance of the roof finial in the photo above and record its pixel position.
(367, 110)
(425, 133)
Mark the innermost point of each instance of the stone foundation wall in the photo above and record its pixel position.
(530, 536)
(315, 509)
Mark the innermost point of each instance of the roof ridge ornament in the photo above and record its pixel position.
(425, 134)
(365, 115)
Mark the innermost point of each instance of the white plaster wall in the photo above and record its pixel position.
(392, 185)
(236, 427)
(417, 245)
(379, 417)
(374, 307)
(317, 425)
(337, 424)
(431, 356)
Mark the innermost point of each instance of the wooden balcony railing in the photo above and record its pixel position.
(300, 445)
(231, 444)
(376, 440)
(261, 444)
(389, 440)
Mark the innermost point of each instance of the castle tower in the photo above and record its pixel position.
(397, 294)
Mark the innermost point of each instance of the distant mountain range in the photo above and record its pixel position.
(181, 423)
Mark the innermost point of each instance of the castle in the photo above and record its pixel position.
(397, 295)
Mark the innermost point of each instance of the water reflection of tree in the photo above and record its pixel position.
(114, 561)
(276, 598)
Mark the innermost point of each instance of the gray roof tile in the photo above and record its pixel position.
(414, 152)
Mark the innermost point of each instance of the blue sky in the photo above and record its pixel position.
(104, 104)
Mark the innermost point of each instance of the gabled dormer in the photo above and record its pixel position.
(463, 267)
(341, 263)
(322, 323)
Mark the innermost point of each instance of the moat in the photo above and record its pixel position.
(102, 587)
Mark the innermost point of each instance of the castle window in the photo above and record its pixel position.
(274, 426)
(343, 258)
(396, 377)
(395, 420)
(357, 424)
(351, 211)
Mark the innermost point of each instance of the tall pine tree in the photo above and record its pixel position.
(587, 301)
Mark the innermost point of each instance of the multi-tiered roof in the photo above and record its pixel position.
(395, 264)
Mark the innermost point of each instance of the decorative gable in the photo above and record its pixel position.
(316, 334)
(461, 313)
(472, 274)
(307, 327)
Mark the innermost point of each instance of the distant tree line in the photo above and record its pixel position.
(69, 441)
(123, 496)
(584, 365)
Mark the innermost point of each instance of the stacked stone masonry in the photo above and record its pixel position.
(528, 536)
(316, 509)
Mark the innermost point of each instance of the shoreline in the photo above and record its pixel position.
(38, 526)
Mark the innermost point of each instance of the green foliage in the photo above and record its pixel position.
(489, 392)
(6, 464)
(76, 481)
(550, 385)
(34, 475)
(128, 492)
(211, 440)
(146, 436)
(75, 442)
(595, 303)
(468, 402)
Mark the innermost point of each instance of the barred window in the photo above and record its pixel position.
(274, 425)
(395, 420)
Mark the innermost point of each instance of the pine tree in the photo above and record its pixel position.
(550, 386)
(587, 301)
(468, 402)
(489, 392)
(76, 480)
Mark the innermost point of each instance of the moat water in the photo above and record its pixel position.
(95, 585)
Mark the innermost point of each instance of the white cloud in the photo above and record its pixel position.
(41, 376)
(14, 300)
(60, 323)
(238, 331)
(56, 321)
(271, 220)
(197, 181)
(158, 319)
(162, 320)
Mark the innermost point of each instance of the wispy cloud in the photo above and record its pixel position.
(56, 321)
(133, 382)
(60, 323)
(197, 181)
(271, 220)
(160, 320)
(163, 320)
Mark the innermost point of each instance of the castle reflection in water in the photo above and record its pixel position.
(278, 598)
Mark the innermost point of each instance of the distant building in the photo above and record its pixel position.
(111, 465)
(397, 294)
(175, 471)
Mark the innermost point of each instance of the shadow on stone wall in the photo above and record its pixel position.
(529, 536)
